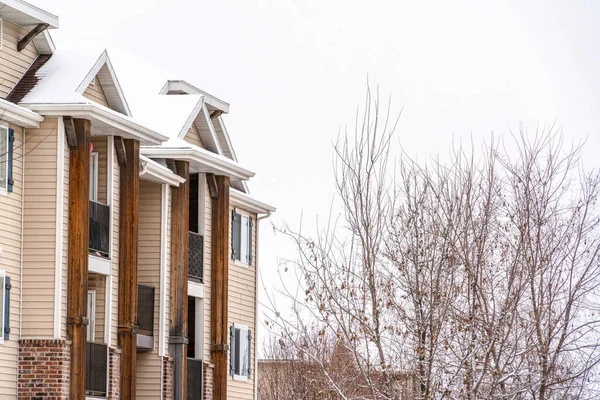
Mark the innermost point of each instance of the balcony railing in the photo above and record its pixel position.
(196, 258)
(96, 369)
(194, 379)
(99, 228)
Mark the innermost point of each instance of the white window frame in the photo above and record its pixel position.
(91, 327)
(242, 262)
(4, 189)
(2, 305)
(244, 335)
(94, 176)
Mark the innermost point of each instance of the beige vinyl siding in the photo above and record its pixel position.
(149, 365)
(242, 310)
(167, 249)
(100, 147)
(96, 93)
(193, 137)
(65, 260)
(13, 63)
(97, 282)
(10, 261)
(115, 250)
(39, 231)
(207, 270)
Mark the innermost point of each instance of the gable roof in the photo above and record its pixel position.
(63, 77)
(25, 14)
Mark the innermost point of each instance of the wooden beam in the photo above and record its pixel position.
(39, 28)
(171, 165)
(128, 263)
(121, 153)
(77, 255)
(178, 336)
(70, 132)
(216, 114)
(219, 294)
(212, 186)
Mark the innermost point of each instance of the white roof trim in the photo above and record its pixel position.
(101, 62)
(155, 172)
(183, 86)
(39, 15)
(191, 118)
(249, 203)
(19, 115)
(103, 114)
(211, 128)
(210, 162)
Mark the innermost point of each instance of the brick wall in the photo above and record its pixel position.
(167, 383)
(114, 373)
(208, 381)
(44, 369)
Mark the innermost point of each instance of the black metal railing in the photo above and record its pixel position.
(194, 379)
(145, 310)
(196, 258)
(99, 228)
(96, 369)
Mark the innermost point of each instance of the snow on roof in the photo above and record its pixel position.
(61, 75)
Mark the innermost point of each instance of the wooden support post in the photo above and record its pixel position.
(219, 295)
(178, 337)
(78, 242)
(128, 266)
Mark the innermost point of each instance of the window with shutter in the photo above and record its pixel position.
(241, 237)
(5, 287)
(241, 339)
(4, 153)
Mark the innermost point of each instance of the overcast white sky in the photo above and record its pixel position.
(294, 72)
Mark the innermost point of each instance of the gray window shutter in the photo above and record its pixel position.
(235, 233)
(249, 353)
(232, 350)
(7, 308)
(250, 230)
(11, 142)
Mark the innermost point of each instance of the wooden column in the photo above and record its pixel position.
(128, 264)
(219, 283)
(178, 336)
(78, 242)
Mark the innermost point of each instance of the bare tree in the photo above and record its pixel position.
(477, 276)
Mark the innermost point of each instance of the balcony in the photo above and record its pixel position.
(194, 379)
(196, 258)
(99, 229)
(96, 369)
(145, 336)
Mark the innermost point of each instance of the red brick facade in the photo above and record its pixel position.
(167, 383)
(114, 373)
(44, 369)
(208, 381)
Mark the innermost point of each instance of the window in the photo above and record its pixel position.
(240, 338)
(4, 306)
(241, 237)
(94, 176)
(91, 312)
(7, 138)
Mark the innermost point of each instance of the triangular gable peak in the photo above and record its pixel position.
(102, 86)
(208, 122)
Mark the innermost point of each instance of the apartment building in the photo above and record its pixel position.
(128, 240)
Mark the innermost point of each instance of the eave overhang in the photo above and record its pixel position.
(18, 115)
(154, 172)
(105, 120)
(201, 161)
(249, 203)
(25, 14)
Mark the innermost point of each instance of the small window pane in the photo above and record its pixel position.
(2, 297)
(3, 157)
(243, 353)
(94, 176)
(238, 343)
(244, 239)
